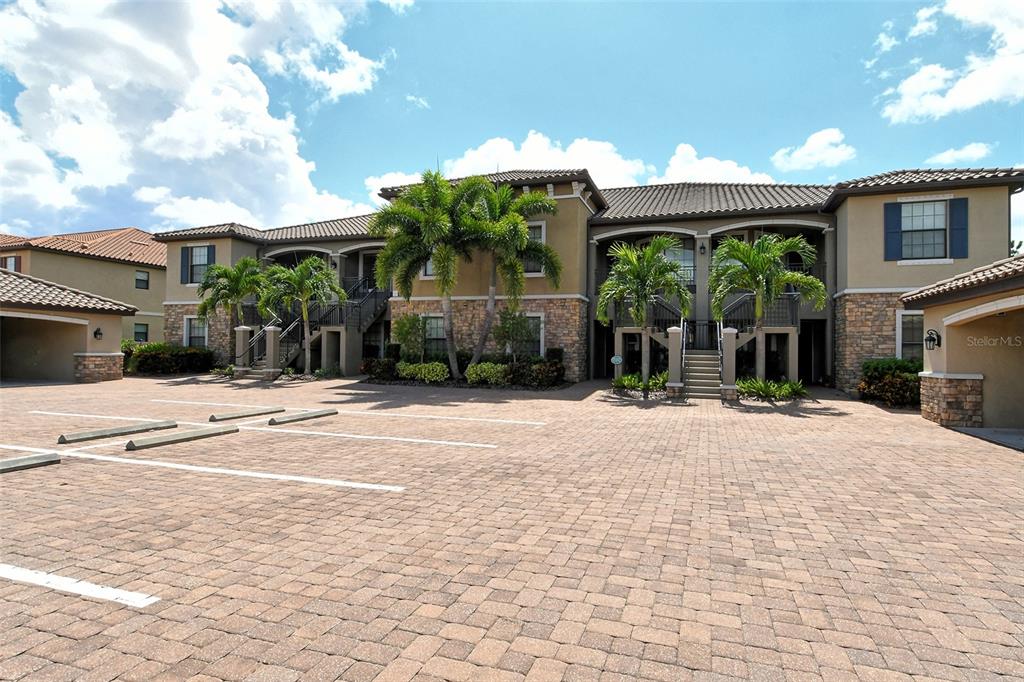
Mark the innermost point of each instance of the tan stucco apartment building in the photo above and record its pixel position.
(124, 264)
(876, 237)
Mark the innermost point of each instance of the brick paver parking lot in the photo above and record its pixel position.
(538, 536)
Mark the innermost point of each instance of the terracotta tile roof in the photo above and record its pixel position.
(706, 198)
(126, 244)
(354, 226)
(17, 289)
(924, 179)
(1008, 268)
(526, 177)
(235, 230)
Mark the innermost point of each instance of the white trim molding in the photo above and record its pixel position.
(39, 316)
(984, 310)
(874, 290)
(360, 246)
(900, 314)
(148, 314)
(297, 247)
(770, 221)
(951, 375)
(647, 229)
(102, 355)
(184, 331)
(182, 302)
(925, 197)
(926, 261)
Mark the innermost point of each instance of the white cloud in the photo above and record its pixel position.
(418, 102)
(398, 6)
(935, 91)
(885, 42)
(687, 166)
(375, 183)
(607, 166)
(28, 173)
(165, 95)
(925, 23)
(823, 148)
(975, 151)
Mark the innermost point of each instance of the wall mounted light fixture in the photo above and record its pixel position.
(98, 334)
(703, 249)
(932, 340)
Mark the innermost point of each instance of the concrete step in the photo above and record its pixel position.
(703, 383)
(710, 395)
(691, 374)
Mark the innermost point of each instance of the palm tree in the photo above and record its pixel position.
(638, 277)
(310, 280)
(228, 286)
(436, 223)
(507, 237)
(760, 268)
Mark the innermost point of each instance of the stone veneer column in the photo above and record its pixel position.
(91, 368)
(865, 329)
(220, 337)
(952, 399)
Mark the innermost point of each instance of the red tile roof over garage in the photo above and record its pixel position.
(1008, 268)
(702, 198)
(126, 244)
(20, 290)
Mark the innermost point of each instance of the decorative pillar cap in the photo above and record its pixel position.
(243, 328)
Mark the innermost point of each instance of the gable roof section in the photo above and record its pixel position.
(20, 290)
(126, 244)
(525, 177)
(338, 228)
(233, 230)
(961, 286)
(689, 199)
(928, 178)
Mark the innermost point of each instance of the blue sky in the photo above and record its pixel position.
(166, 115)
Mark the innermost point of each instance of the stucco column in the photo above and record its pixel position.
(793, 359)
(702, 270)
(675, 355)
(340, 259)
(832, 285)
(273, 348)
(242, 336)
(618, 351)
(759, 339)
(591, 303)
(729, 363)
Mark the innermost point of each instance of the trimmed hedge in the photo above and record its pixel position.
(892, 381)
(427, 372)
(380, 369)
(163, 358)
(490, 373)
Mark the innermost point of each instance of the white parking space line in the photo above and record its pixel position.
(236, 472)
(370, 413)
(25, 448)
(98, 416)
(72, 586)
(301, 432)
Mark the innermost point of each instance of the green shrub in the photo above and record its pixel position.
(489, 373)
(555, 355)
(427, 372)
(128, 348)
(380, 369)
(228, 371)
(393, 351)
(892, 381)
(659, 381)
(629, 382)
(162, 358)
(327, 372)
(410, 332)
(547, 374)
(766, 389)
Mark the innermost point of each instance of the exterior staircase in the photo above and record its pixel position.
(701, 374)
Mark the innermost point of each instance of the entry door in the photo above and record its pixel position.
(369, 263)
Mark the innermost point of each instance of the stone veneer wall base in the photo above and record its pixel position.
(220, 336)
(565, 325)
(92, 368)
(865, 329)
(952, 401)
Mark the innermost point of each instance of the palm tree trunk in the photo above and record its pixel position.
(759, 338)
(485, 333)
(645, 360)
(305, 335)
(449, 336)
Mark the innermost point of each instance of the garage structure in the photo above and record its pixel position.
(51, 332)
(973, 327)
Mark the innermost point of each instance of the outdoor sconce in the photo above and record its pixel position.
(703, 249)
(932, 340)
(98, 334)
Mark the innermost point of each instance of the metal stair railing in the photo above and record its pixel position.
(782, 312)
(682, 361)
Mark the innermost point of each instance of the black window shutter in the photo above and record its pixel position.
(211, 255)
(958, 228)
(184, 264)
(893, 231)
(17, 263)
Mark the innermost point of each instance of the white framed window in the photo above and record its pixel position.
(910, 334)
(434, 342)
(428, 270)
(141, 279)
(538, 233)
(535, 346)
(141, 332)
(924, 229)
(195, 333)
